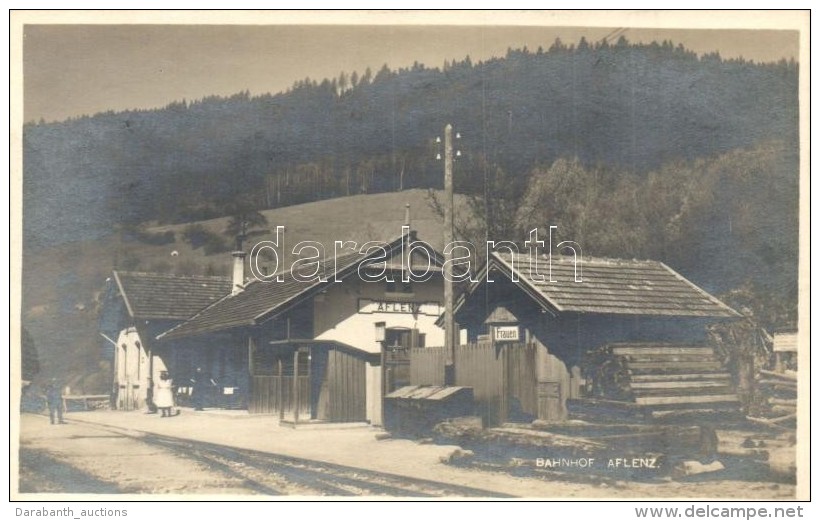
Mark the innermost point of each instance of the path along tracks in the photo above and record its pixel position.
(271, 474)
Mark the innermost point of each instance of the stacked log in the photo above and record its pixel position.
(780, 392)
(661, 377)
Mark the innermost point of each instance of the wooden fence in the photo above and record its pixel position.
(481, 366)
(503, 377)
(274, 395)
(427, 365)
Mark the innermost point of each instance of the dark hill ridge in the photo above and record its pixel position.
(630, 107)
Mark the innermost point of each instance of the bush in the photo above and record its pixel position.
(160, 239)
(140, 234)
(196, 235)
(199, 237)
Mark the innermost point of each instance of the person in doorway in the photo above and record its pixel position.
(54, 398)
(201, 384)
(164, 395)
(150, 399)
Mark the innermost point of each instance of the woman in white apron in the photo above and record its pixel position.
(164, 395)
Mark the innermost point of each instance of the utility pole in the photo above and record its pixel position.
(449, 324)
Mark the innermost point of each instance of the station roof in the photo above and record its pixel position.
(604, 286)
(168, 297)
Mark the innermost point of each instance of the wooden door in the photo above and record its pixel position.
(520, 383)
(346, 388)
(397, 357)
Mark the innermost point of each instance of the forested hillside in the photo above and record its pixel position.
(634, 107)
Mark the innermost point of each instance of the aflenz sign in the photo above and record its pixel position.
(506, 333)
(367, 305)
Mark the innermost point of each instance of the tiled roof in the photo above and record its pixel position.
(613, 286)
(170, 297)
(261, 300)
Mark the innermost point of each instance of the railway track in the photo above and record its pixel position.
(270, 474)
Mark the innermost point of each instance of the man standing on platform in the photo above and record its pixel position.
(200, 389)
(54, 398)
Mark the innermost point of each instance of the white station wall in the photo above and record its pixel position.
(338, 316)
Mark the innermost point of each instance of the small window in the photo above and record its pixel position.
(399, 286)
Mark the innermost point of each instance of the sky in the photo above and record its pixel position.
(74, 69)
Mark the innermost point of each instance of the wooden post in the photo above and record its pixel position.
(251, 399)
(778, 362)
(251, 368)
(279, 388)
(501, 352)
(149, 393)
(309, 386)
(449, 368)
(383, 383)
(296, 386)
(746, 371)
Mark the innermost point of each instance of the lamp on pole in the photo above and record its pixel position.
(381, 338)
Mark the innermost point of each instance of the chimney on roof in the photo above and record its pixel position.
(238, 272)
(238, 279)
